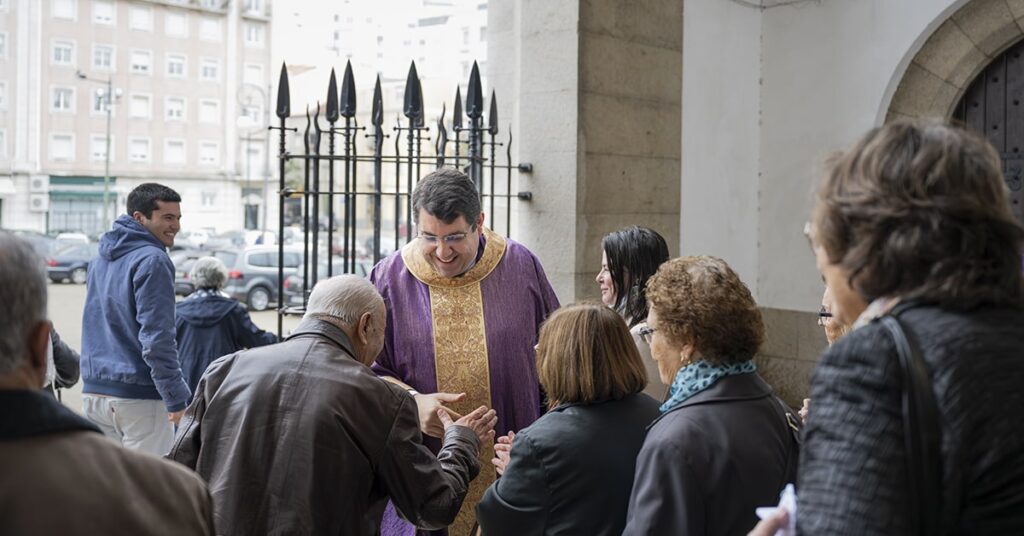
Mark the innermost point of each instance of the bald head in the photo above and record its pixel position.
(345, 297)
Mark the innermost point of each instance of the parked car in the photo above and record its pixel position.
(43, 244)
(253, 273)
(196, 238)
(293, 283)
(71, 262)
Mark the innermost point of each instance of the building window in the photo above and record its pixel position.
(254, 34)
(99, 102)
(63, 53)
(209, 200)
(209, 153)
(62, 147)
(140, 106)
(176, 66)
(174, 151)
(140, 18)
(254, 112)
(138, 150)
(3, 94)
(63, 99)
(176, 24)
(253, 6)
(210, 4)
(3, 143)
(174, 108)
(103, 12)
(209, 69)
(209, 111)
(253, 74)
(98, 148)
(141, 61)
(103, 57)
(64, 9)
(3, 44)
(465, 36)
(209, 29)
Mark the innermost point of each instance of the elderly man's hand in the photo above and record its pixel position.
(427, 405)
(481, 421)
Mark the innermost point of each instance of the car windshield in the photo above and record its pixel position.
(228, 257)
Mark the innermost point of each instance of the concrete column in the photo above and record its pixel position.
(594, 91)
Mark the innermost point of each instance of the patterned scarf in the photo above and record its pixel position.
(700, 375)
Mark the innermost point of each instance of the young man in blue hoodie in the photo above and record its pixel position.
(132, 385)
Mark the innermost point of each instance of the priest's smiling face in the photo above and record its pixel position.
(451, 248)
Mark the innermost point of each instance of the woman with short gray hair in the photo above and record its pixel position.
(209, 324)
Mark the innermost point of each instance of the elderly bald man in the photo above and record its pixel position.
(301, 437)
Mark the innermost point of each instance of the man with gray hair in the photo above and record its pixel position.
(63, 476)
(301, 437)
(209, 324)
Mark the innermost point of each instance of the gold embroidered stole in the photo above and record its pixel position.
(460, 349)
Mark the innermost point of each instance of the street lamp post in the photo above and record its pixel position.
(245, 97)
(108, 101)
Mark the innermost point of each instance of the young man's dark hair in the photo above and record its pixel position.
(144, 197)
(446, 194)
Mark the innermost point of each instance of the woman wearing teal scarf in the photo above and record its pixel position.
(724, 443)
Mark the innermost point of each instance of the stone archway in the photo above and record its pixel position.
(960, 48)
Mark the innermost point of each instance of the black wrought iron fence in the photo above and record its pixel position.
(360, 198)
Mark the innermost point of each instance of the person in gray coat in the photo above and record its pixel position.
(570, 472)
(724, 443)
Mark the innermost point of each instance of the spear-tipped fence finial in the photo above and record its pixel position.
(413, 108)
(457, 113)
(332, 99)
(348, 92)
(474, 95)
(377, 115)
(492, 116)
(283, 96)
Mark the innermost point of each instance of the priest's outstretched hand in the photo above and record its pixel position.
(429, 404)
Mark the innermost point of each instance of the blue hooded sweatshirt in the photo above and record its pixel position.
(128, 347)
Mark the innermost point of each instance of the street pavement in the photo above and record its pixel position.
(66, 301)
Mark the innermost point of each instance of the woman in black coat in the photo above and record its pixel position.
(570, 472)
(914, 222)
(724, 443)
(209, 324)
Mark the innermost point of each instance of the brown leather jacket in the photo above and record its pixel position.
(300, 438)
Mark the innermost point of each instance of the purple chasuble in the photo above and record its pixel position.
(516, 299)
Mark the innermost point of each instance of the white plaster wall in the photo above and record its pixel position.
(767, 95)
(721, 146)
(829, 70)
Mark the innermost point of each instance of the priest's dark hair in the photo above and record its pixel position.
(446, 194)
(634, 255)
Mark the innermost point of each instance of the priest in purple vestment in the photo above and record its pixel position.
(464, 309)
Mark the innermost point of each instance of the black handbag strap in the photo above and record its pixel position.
(921, 433)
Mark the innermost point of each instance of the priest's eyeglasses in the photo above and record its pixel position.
(449, 240)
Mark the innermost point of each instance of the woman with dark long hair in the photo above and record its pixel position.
(629, 258)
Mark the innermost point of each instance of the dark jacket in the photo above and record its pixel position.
(708, 463)
(570, 472)
(209, 325)
(128, 348)
(853, 478)
(300, 438)
(61, 476)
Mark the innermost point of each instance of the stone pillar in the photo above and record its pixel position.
(594, 91)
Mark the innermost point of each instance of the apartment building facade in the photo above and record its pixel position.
(190, 96)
